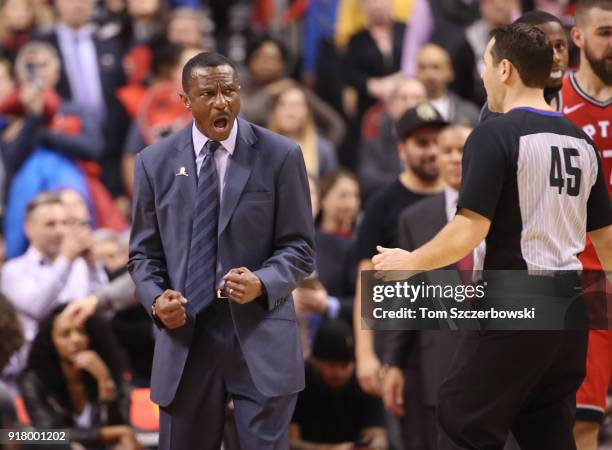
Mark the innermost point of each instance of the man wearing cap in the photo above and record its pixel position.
(333, 412)
(417, 131)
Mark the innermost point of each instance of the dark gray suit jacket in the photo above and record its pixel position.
(418, 224)
(265, 224)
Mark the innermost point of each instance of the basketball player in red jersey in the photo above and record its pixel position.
(587, 101)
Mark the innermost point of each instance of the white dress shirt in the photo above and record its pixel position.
(443, 106)
(451, 197)
(35, 285)
(222, 155)
(80, 60)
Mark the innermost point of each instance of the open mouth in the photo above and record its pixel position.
(556, 74)
(220, 124)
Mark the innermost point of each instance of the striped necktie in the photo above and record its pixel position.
(202, 263)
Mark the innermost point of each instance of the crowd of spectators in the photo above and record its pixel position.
(381, 96)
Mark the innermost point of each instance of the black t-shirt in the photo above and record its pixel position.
(380, 219)
(334, 416)
(538, 178)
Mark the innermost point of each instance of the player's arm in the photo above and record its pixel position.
(602, 241)
(458, 238)
(599, 218)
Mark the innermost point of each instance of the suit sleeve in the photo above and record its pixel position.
(405, 235)
(399, 342)
(147, 263)
(292, 256)
(118, 294)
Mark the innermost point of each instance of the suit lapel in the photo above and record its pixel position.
(185, 157)
(238, 172)
(439, 219)
(433, 220)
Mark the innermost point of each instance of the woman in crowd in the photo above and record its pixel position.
(340, 203)
(74, 379)
(266, 79)
(19, 19)
(292, 116)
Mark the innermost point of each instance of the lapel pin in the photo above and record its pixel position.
(182, 172)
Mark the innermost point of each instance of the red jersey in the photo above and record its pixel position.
(594, 117)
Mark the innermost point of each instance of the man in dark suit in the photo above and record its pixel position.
(222, 233)
(91, 72)
(417, 225)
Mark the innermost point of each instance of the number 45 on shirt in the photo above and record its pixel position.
(568, 179)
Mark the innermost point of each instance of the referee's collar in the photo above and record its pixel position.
(539, 111)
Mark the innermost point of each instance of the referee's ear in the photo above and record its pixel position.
(506, 70)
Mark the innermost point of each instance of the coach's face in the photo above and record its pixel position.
(214, 100)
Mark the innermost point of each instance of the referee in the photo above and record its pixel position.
(532, 186)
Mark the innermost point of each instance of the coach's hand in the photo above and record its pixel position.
(393, 391)
(368, 373)
(170, 309)
(242, 285)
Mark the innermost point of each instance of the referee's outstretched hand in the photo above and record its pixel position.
(392, 263)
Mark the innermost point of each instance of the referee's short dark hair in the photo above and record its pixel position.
(527, 48)
(205, 59)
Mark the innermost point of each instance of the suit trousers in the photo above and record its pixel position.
(519, 381)
(215, 371)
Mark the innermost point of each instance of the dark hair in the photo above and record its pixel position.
(42, 199)
(537, 18)
(6, 62)
(256, 42)
(527, 48)
(44, 360)
(329, 181)
(583, 7)
(165, 54)
(11, 333)
(205, 59)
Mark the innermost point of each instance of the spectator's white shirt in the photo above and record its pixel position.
(35, 285)
(80, 60)
(451, 196)
(443, 106)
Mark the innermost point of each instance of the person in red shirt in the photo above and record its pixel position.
(587, 101)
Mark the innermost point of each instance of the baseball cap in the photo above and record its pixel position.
(334, 342)
(422, 115)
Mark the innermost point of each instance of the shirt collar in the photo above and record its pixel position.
(451, 196)
(36, 255)
(200, 139)
(84, 32)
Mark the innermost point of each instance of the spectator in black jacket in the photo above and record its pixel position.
(74, 379)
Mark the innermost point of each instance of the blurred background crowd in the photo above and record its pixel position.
(381, 96)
